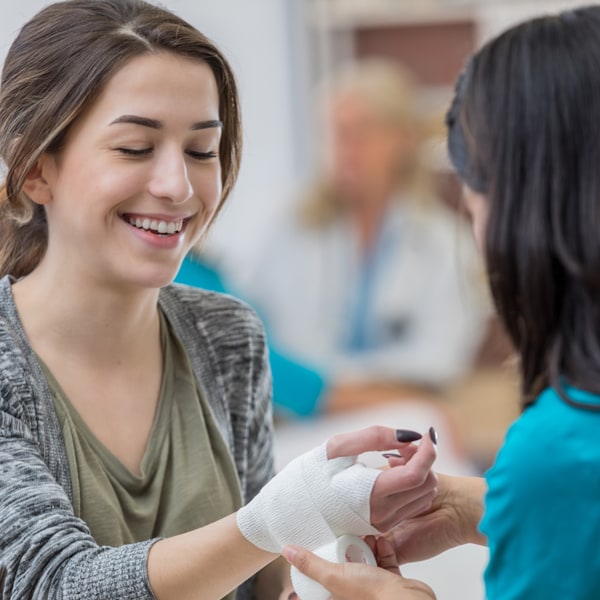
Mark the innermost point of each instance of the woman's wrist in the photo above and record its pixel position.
(466, 495)
(179, 565)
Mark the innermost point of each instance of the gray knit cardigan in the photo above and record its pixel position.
(48, 553)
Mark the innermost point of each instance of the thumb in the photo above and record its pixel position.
(310, 564)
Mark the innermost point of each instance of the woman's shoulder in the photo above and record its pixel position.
(13, 344)
(213, 313)
(551, 435)
(541, 499)
(17, 379)
(182, 297)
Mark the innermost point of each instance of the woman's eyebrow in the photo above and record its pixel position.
(207, 124)
(156, 124)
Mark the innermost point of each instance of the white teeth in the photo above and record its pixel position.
(162, 227)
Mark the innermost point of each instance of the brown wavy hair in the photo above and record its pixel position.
(57, 65)
(524, 130)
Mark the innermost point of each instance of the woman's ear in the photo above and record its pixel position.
(36, 184)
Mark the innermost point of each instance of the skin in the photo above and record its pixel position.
(452, 519)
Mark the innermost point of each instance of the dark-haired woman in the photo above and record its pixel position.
(135, 415)
(524, 136)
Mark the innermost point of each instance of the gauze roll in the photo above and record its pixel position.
(310, 503)
(347, 548)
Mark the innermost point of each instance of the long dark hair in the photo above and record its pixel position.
(524, 130)
(60, 62)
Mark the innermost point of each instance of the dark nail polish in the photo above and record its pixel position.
(391, 455)
(406, 435)
(433, 435)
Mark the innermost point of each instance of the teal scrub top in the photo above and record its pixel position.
(542, 509)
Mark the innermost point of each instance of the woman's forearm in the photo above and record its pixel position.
(205, 563)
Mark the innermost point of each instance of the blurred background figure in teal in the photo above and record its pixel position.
(298, 389)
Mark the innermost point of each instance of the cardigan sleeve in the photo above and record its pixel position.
(260, 451)
(45, 550)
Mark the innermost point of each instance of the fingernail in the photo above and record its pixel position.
(391, 455)
(433, 435)
(289, 553)
(293, 596)
(406, 435)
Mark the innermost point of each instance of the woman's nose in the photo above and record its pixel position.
(170, 178)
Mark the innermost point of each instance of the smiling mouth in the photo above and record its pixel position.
(156, 226)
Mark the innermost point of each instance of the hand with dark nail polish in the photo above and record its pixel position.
(433, 435)
(407, 435)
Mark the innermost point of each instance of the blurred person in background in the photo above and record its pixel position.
(299, 388)
(371, 279)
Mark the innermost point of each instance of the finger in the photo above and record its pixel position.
(386, 556)
(382, 501)
(364, 440)
(371, 541)
(402, 457)
(410, 475)
(322, 571)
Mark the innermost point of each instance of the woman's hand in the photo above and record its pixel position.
(408, 487)
(452, 520)
(349, 581)
(325, 493)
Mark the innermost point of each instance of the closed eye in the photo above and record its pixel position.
(135, 151)
(201, 155)
(146, 151)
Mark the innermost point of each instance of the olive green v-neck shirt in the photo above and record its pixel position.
(188, 477)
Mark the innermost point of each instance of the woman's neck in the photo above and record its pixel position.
(95, 321)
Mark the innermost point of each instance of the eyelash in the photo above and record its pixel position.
(146, 151)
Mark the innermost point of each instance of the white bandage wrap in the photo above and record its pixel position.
(310, 503)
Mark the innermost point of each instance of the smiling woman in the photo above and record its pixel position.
(135, 417)
(153, 157)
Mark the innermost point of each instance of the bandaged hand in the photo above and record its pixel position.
(326, 493)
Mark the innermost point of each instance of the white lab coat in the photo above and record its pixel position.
(427, 305)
